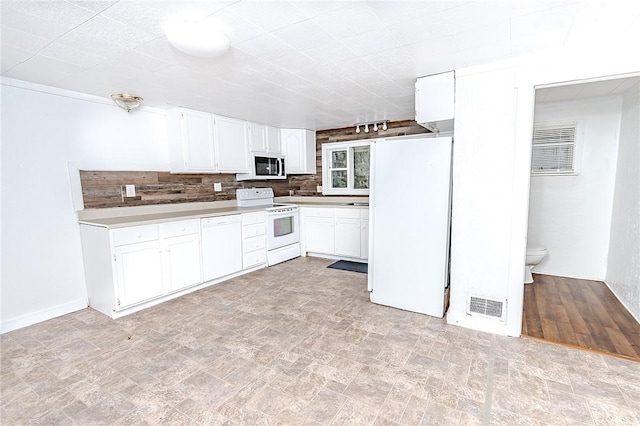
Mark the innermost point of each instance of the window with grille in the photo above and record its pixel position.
(553, 150)
(345, 168)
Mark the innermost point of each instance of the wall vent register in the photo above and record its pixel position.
(553, 150)
(489, 308)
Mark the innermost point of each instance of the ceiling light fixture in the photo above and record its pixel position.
(377, 125)
(196, 38)
(127, 101)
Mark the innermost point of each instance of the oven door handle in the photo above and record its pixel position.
(281, 214)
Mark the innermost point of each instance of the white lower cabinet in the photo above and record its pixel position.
(254, 241)
(138, 273)
(181, 262)
(341, 232)
(320, 235)
(127, 269)
(347, 237)
(364, 238)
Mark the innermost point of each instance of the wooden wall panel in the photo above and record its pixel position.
(106, 189)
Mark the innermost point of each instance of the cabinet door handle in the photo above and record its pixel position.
(139, 236)
(182, 229)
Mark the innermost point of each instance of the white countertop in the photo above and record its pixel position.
(147, 219)
(113, 218)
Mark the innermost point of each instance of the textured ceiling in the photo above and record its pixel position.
(291, 63)
(593, 89)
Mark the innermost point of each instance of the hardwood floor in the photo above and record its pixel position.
(579, 313)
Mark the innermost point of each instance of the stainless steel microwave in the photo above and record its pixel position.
(265, 166)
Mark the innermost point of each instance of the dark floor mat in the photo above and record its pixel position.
(346, 265)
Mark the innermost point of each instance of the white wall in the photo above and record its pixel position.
(487, 254)
(571, 215)
(482, 183)
(42, 270)
(623, 271)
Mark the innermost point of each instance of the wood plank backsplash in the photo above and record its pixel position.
(102, 189)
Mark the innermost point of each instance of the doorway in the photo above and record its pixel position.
(578, 190)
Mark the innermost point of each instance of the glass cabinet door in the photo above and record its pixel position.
(339, 164)
(361, 167)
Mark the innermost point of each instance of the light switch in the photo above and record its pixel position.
(217, 186)
(131, 190)
(319, 188)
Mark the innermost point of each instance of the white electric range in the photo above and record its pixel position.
(283, 223)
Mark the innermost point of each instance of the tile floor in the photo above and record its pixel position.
(299, 344)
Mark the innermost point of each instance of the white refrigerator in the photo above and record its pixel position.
(409, 216)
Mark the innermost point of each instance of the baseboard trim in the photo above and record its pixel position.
(334, 257)
(622, 302)
(43, 315)
(477, 323)
(575, 277)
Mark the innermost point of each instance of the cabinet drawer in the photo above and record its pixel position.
(135, 234)
(176, 229)
(254, 243)
(348, 213)
(254, 258)
(253, 230)
(364, 214)
(251, 218)
(318, 212)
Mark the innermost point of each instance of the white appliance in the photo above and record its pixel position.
(283, 223)
(409, 216)
(265, 166)
(221, 246)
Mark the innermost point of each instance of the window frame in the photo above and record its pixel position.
(327, 149)
(577, 147)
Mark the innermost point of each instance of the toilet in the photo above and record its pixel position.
(535, 254)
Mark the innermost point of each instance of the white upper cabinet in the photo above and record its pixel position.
(232, 145)
(273, 140)
(435, 101)
(299, 149)
(203, 143)
(264, 138)
(190, 136)
(258, 137)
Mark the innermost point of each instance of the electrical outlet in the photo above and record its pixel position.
(319, 188)
(217, 186)
(131, 190)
